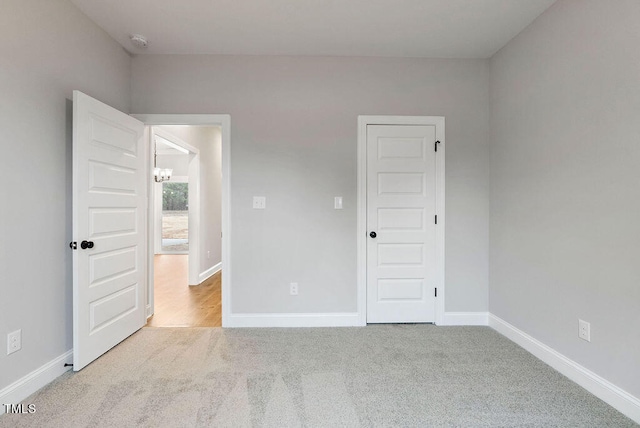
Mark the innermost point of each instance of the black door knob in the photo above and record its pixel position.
(373, 234)
(86, 244)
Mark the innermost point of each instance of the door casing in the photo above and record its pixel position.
(361, 229)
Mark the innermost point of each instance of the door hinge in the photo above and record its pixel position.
(436, 219)
(436, 292)
(73, 245)
(435, 146)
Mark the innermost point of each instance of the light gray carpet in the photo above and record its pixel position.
(384, 375)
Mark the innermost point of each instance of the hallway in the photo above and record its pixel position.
(179, 305)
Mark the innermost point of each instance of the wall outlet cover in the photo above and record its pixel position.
(259, 202)
(584, 330)
(293, 288)
(14, 341)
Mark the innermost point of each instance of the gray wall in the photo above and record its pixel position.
(208, 140)
(565, 187)
(47, 49)
(293, 140)
(564, 104)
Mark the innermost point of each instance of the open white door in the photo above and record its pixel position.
(109, 228)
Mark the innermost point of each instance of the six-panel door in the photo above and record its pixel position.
(109, 203)
(401, 198)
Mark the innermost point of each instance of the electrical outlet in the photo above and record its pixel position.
(259, 202)
(208, 254)
(293, 288)
(14, 341)
(584, 330)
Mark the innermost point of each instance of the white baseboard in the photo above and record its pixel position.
(598, 386)
(465, 318)
(295, 320)
(27, 385)
(210, 272)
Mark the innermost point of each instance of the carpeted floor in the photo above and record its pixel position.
(382, 375)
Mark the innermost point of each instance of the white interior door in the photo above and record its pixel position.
(109, 228)
(401, 209)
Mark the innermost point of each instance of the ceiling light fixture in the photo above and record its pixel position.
(159, 174)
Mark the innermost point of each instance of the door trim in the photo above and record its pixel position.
(361, 229)
(224, 122)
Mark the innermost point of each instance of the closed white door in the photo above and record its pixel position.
(401, 223)
(109, 228)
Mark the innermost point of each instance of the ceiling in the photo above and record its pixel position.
(163, 149)
(387, 28)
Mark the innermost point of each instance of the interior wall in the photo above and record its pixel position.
(208, 140)
(565, 193)
(293, 140)
(48, 49)
(179, 163)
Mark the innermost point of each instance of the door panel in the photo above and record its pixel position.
(401, 148)
(400, 289)
(111, 178)
(107, 266)
(390, 219)
(107, 221)
(401, 203)
(109, 210)
(110, 309)
(396, 183)
(400, 254)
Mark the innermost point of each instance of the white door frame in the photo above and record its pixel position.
(194, 201)
(224, 122)
(363, 122)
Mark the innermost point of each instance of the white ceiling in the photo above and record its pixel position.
(163, 149)
(391, 28)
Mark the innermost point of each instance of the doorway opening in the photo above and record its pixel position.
(113, 239)
(186, 226)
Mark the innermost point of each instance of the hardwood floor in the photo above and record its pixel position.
(179, 305)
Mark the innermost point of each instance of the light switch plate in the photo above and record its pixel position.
(259, 202)
(337, 202)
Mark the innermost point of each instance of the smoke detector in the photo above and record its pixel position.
(139, 41)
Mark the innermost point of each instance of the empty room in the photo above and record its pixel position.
(400, 213)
